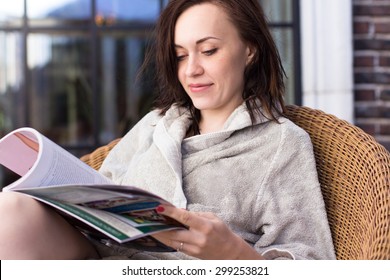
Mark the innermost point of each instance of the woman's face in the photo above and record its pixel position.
(211, 58)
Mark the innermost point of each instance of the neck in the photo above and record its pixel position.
(212, 122)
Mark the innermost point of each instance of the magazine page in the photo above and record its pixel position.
(109, 197)
(112, 225)
(19, 151)
(41, 162)
(124, 205)
(109, 216)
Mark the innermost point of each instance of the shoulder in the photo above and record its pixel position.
(291, 128)
(139, 135)
(147, 123)
(150, 119)
(292, 135)
(141, 132)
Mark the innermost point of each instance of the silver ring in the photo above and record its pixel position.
(180, 247)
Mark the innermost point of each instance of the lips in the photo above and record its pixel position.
(199, 87)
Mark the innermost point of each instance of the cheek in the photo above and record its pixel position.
(239, 67)
(218, 68)
(232, 68)
(180, 75)
(233, 63)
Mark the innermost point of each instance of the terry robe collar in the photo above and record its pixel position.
(169, 137)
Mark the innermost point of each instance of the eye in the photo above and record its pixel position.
(210, 52)
(180, 57)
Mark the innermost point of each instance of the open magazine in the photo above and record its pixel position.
(91, 202)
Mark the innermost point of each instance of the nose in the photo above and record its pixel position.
(193, 67)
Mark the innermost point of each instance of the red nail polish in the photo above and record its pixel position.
(160, 209)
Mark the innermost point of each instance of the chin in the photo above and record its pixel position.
(202, 107)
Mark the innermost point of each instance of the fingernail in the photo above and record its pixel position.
(160, 209)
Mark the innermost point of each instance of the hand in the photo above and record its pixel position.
(207, 236)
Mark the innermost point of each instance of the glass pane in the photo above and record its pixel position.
(11, 98)
(61, 95)
(285, 43)
(278, 10)
(11, 14)
(11, 81)
(124, 99)
(126, 11)
(49, 12)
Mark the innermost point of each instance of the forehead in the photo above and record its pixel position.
(203, 20)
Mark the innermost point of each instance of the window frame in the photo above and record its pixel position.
(94, 31)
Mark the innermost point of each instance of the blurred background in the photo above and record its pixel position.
(68, 67)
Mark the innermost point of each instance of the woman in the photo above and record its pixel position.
(241, 176)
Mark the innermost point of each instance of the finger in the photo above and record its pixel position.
(163, 239)
(173, 235)
(208, 215)
(181, 215)
(183, 247)
(178, 243)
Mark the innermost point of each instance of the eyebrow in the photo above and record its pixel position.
(200, 41)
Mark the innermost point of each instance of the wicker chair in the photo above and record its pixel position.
(354, 172)
(95, 159)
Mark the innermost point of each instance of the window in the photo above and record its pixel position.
(69, 67)
(283, 16)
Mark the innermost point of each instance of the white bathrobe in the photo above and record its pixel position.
(260, 179)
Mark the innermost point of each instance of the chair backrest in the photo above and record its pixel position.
(95, 159)
(354, 172)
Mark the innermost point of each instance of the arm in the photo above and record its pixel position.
(294, 222)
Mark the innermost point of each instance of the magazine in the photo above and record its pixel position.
(99, 208)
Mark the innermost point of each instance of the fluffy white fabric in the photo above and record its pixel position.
(261, 180)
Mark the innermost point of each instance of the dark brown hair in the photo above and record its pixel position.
(263, 76)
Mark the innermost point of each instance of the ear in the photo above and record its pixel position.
(251, 51)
